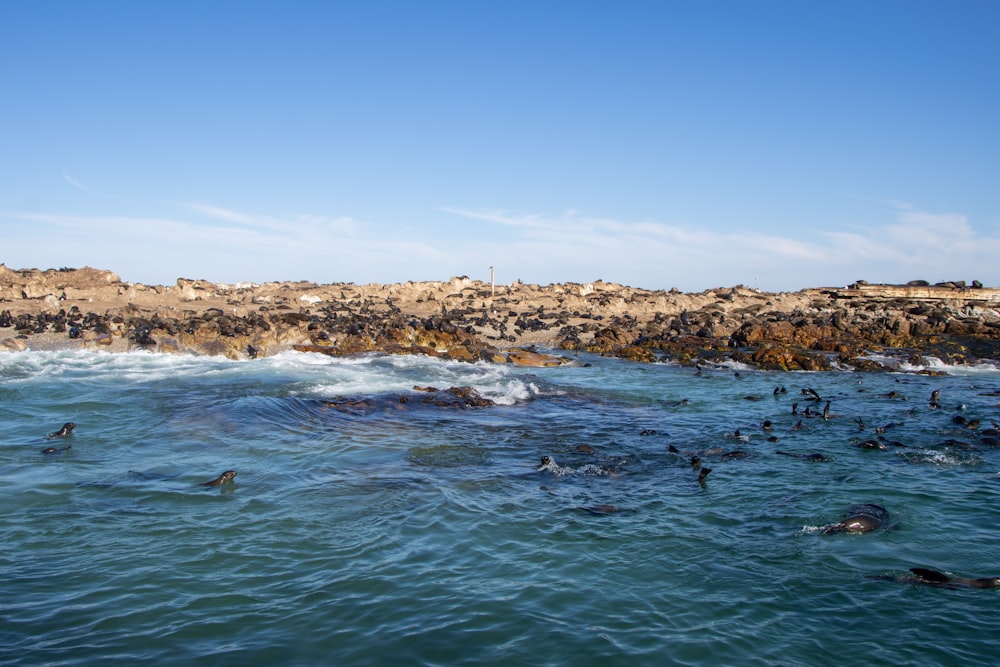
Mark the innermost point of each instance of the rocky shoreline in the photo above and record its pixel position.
(469, 320)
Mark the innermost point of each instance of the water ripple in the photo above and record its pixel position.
(362, 529)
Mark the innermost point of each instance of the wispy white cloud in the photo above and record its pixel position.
(227, 245)
(944, 232)
(910, 244)
(283, 225)
(236, 247)
(218, 212)
(521, 220)
(78, 185)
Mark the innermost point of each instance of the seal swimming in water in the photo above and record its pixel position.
(881, 444)
(66, 429)
(224, 478)
(811, 394)
(601, 510)
(53, 450)
(739, 437)
(935, 401)
(548, 464)
(822, 458)
(928, 577)
(862, 519)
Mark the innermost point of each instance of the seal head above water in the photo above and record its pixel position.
(862, 519)
(224, 478)
(928, 577)
(66, 429)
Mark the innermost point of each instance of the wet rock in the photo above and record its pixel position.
(522, 357)
(469, 320)
(457, 397)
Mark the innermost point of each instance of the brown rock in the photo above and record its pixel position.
(522, 357)
(13, 345)
(466, 319)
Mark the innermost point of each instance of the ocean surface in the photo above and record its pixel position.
(372, 523)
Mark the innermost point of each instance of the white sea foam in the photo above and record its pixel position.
(934, 364)
(561, 471)
(126, 367)
(324, 376)
(941, 458)
(735, 365)
(509, 392)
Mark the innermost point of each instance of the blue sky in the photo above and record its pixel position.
(656, 144)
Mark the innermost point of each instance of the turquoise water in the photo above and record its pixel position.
(364, 530)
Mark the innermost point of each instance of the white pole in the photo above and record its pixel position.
(493, 286)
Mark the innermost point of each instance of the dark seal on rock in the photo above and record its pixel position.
(224, 478)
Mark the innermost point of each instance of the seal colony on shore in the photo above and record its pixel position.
(464, 319)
